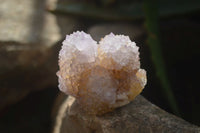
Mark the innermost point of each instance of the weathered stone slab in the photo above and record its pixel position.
(25, 68)
(28, 21)
(140, 116)
(28, 58)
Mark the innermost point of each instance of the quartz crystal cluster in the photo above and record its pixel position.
(100, 76)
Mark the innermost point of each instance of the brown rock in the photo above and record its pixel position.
(25, 68)
(28, 58)
(140, 116)
(29, 22)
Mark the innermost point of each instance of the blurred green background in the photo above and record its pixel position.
(166, 31)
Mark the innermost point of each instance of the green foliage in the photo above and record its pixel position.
(151, 23)
(129, 10)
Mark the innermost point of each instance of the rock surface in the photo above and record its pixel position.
(29, 22)
(140, 116)
(25, 68)
(28, 58)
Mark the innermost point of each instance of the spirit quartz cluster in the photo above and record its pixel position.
(100, 76)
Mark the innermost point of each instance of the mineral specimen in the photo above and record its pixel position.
(100, 76)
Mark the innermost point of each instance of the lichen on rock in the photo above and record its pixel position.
(100, 76)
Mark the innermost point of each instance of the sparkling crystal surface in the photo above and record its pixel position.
(101, 76)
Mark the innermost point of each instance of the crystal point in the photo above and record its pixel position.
(101, 77)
